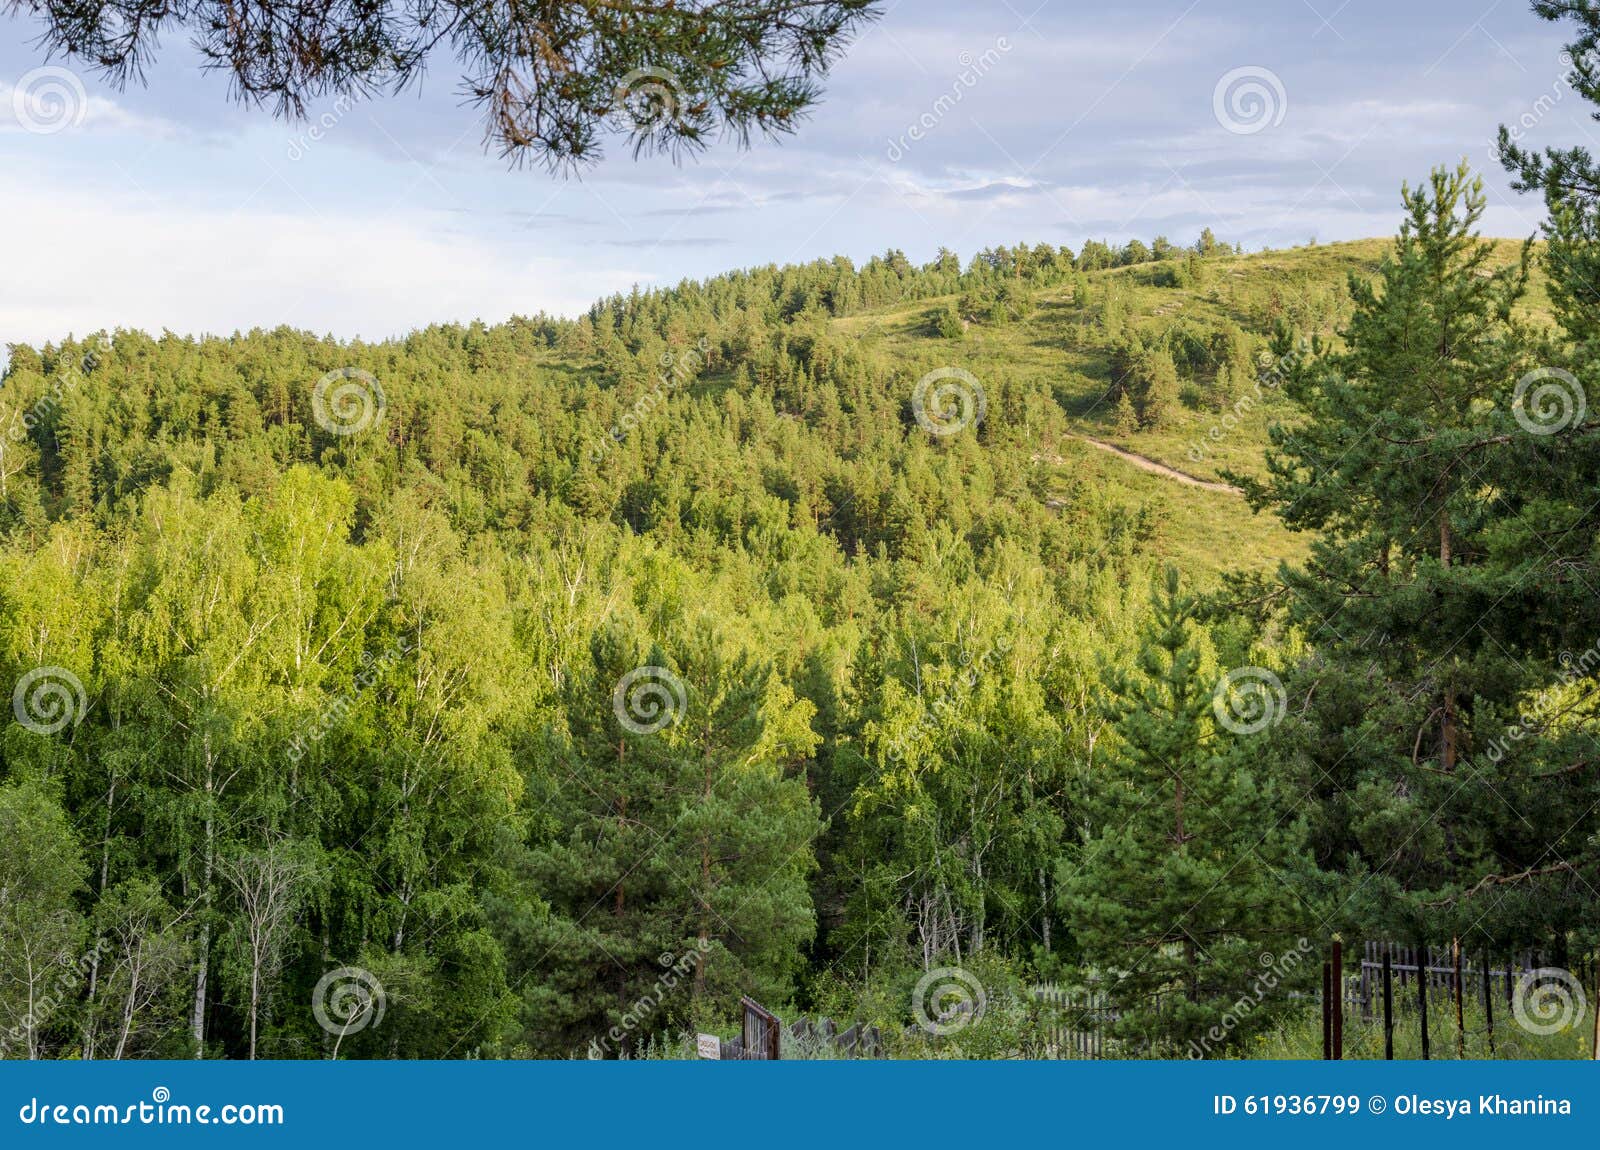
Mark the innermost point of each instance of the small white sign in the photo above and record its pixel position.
(709, 1046)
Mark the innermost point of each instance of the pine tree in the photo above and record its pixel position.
(1125, 420)
(1158, 388)
(1568, 179)
(679, 825)
(551, 80)
(1220, 393)
(1563, 461)
(1184, 881)
(1426, 599)
(948, 323)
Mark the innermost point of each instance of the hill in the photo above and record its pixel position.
(757, 624)
(760, 339)
(1069, 341)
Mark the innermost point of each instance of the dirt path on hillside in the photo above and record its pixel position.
(1144, 463)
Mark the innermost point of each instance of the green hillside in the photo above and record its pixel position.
(1066, 344)
(762, 631)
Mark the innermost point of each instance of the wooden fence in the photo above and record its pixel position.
(1073, 1022)
(1439, 967)
(1394, 980)
(762, 1037)
(853, 1042)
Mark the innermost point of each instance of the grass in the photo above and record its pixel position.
(1301, 1038)
(1205, 532)
(1064, 345)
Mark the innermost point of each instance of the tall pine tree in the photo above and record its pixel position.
(1183, 895)
(1427, 598)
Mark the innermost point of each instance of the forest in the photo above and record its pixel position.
(1133, 616)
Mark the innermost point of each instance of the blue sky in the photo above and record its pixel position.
(170, 207)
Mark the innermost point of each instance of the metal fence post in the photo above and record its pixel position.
(1422, 996)
(1388, 1006)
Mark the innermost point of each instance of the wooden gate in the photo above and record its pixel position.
(760, 1035)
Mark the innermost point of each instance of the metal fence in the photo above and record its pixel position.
(1474, 977)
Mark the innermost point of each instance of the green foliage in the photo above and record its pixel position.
(1568, 179)
(351, 694)
(1126, 421)
(1157, 388)
(1404, 467)
(41, 930)
(551, 78)
(350, 691)
(1182, 884)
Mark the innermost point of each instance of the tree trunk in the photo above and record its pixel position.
(705, 895)
(255, 1000)
(31, 1018)
(1450, 735)
(622, 897)
(203, 951)
(1044, 908)
(1179, 838)
(134, 965)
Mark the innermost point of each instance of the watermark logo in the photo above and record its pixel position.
(373, 668)
(347, 401)
(63, 989)
(49, 100)
(649, 699)
(1548, 401)
(1546, 702)
(48, 699)
(649, 97)
(676, 370)
(1570, 69)
(1548, 1001)
(675, 968)
(1249, 699)
(320, 127)
(1249, 100)
(948, 400)
(950, 698)
(1269, 379)
(347, 1001)
(23, 423)
(948, 999)
(159, 1110)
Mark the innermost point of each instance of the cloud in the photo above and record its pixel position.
(1096, 121)
(52, 99)
(647, 244)
(1002, 189)
(694, 210)
(88, 259)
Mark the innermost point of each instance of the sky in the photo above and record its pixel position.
(169, 206)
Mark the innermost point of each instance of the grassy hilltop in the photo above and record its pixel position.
(1065, 345)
